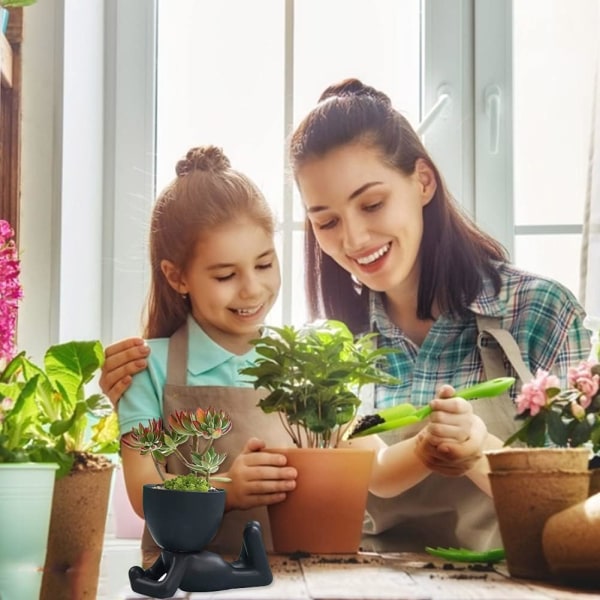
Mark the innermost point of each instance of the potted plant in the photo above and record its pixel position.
(313, 376)
(27, 476)
(560, 431)
(76, 431)
(184, 512)
(27, 460)
(173, 518)
(44, 422)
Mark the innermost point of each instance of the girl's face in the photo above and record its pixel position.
(368, 216)
(232, 280)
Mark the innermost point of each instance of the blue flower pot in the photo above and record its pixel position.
(26, 491)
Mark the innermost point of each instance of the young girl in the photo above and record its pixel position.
(214, 278)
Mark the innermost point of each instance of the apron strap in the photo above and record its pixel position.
(177, 357)
(493, 362)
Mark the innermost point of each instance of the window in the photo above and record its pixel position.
(489, 81)
(243, 88)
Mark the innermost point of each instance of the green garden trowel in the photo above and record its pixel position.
(406, 414)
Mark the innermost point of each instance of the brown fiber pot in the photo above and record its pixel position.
(540, 459)
(524, 501)
(324, 513)
(76, 537)
(571, 542)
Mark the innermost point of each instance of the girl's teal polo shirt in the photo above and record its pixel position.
(208, 364)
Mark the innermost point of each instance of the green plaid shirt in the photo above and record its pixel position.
(543, 316)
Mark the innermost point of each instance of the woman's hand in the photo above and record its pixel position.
(258, 478)
(454, 439)
(122, 360)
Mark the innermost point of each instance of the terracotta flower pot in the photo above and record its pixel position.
(524, 500)
(571, 542)
(539, 459)
(324, 513)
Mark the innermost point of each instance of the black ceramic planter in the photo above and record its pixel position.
(182, 521)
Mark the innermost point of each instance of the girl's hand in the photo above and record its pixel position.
(258, 478)
(122, 360)
(454, 438)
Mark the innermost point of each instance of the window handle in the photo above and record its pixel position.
(493, 106)
(443, 101)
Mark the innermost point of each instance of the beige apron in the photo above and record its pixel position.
(248, 421)
(450, 511)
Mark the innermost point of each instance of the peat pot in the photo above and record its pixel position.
(324, 513)
(76, 535)
(538, 459)
(524, 501)
(571, 543)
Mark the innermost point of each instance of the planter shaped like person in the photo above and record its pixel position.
(184, 513)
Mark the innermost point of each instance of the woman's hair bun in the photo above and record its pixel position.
(354, 87)
(202, 158)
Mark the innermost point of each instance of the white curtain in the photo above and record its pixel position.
(590, 253)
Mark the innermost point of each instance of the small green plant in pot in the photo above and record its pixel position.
(54, 418)
(184, 512)
(312, 377)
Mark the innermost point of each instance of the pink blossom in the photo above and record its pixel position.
(533, 394)
(10, 290)
(581, 378)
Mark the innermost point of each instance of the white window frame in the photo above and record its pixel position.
(455, 85)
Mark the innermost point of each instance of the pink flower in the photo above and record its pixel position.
(10, 290)
(581, 378)
(533, 394)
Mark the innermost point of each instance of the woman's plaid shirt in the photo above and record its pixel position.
(542, 315)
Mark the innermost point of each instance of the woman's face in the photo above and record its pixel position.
(368, 216)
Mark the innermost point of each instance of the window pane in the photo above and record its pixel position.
(554, 59)
(555, 256)
(220, 81)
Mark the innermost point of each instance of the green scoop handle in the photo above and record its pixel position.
(406, 414)
(465, 555)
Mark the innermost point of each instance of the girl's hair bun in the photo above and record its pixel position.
(203, 158)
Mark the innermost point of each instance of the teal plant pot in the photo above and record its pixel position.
(26, 491)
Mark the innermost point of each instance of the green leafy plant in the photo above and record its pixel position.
(313, 375)
(197, 429)
(45, 415)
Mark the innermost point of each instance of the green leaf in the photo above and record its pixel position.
(557, 430)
